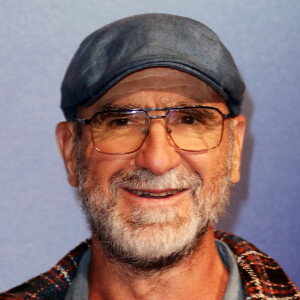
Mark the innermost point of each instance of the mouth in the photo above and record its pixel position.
(155, 194)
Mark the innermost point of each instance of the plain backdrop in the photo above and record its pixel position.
(40, 220)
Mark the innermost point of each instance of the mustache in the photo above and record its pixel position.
(143, 179)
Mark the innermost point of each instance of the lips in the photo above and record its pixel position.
(152, 194)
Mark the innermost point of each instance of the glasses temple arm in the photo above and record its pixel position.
(82, 121)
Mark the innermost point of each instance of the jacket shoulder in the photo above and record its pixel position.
(52, 284)
(261, 275)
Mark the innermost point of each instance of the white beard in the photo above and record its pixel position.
(152, 239)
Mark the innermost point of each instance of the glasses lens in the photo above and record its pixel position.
(195, 129)
(119, 132)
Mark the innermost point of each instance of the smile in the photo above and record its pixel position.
(147, 194)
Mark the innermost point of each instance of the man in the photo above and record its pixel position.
(153, 142)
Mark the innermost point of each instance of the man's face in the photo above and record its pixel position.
(150, 208)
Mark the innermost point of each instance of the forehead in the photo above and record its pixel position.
(157, 87)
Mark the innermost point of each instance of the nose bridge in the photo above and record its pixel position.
(157, 117)
(152, 119)
(157, 133)
(158, 152)
(156, 113)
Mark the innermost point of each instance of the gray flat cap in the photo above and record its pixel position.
(138, 42)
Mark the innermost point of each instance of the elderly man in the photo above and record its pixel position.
(153, 142)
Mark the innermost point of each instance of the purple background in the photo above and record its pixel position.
(39, 219)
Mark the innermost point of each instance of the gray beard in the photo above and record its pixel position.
(149, 240)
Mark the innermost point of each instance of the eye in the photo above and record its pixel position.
(120, 122)
(188, 120)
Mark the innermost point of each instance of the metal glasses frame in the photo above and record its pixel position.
(146, 110)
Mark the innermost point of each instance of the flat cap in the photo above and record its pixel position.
(143, 41)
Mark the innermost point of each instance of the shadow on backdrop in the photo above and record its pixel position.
(239, 192)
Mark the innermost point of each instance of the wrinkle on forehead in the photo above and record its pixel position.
(171, 87)
(162, 79)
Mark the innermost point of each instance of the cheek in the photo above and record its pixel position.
(101, 167)
(208, 165)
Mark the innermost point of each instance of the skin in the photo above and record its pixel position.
(202, 273)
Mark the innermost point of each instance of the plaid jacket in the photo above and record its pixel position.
(261, 275)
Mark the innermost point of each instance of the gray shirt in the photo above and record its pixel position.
(79, 289)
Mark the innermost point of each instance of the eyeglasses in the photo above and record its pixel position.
(194, 129)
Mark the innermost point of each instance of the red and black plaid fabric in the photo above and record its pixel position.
(261, 275)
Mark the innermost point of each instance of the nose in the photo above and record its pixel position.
(158, 153)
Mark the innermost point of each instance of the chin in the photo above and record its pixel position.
(150, 240)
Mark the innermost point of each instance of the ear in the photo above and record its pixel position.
(65, 138)
(239, 129)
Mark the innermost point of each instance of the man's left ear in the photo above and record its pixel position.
(239, 128)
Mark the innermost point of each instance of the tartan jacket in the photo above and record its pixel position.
(262, 277)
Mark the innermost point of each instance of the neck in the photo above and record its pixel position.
(202, 275)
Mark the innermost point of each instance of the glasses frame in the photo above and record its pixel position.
(146, 110)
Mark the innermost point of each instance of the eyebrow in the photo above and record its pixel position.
(111, 106)
(129, 106)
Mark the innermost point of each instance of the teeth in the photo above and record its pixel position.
(172, 192)
(157, 194)
(163, 194)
